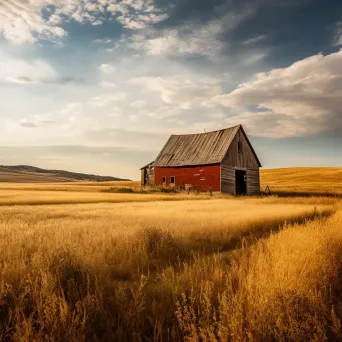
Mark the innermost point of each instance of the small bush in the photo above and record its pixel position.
(119, 190)
(143, 190)
(170, 190)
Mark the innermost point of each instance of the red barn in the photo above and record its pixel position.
(222, 161)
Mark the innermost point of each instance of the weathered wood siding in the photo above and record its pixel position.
(150, 176)
(246, 159)
(142, 177)
(227, 180)
(228, 185)
(147, 176)
(253, 182)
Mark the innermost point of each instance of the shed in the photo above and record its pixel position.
(222, 160)
(147, 175)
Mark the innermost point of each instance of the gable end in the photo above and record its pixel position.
(241, 153)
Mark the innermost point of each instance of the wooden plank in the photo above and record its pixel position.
(143, 177)
(253, 182)
(227, 180)
(245, 159)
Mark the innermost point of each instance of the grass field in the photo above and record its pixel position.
(309, 180)
(80, 264)
(34, 197)
(305, 180)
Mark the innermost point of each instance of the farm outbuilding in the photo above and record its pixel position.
(147, 176)
(222, 161)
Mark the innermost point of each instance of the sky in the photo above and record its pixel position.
(98, 86)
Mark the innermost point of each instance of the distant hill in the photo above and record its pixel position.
(31, 174)
(303, 179)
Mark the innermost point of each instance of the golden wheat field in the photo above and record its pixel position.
(81, 263)
(306, 180)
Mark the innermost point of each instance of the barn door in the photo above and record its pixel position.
(240, 182)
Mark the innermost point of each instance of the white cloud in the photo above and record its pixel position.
(103, 41)
(21, 80)
(22, 71)
(107, 85)
(23, 21)
(303, 99)
(133, 118)
(162, 112)
(55, 20)
(190, 38)
(107, 99)
(28, 124)
(178, 91)
(66, 122)
(254, 58)
(254, 40)
(107, 68)
(338, 34)
(139, 104)
(136, 14)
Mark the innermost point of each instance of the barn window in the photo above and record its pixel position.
(164, 179)
(172, 180)
(240, 147)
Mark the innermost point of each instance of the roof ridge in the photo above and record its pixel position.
(218, 130)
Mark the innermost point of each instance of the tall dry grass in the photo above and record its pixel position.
(76, 186)
(142, 271)
(303, 180)
(284, 288)
(41, 197)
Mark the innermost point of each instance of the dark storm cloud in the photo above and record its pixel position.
(193, 10)
(291, 30)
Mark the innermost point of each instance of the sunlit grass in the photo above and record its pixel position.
(303, 179)
(284, 288)
(116, 271)
(33, 197)
(69, 186)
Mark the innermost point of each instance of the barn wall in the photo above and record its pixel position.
(244, 160)
(147, 176)
(142, 177)
(204, 177)
(227, 180)
(253, 182)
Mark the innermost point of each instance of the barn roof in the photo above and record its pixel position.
(197, 149)
(147, 165)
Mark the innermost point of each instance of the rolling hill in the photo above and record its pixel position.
(323, 180)
(31, 174)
